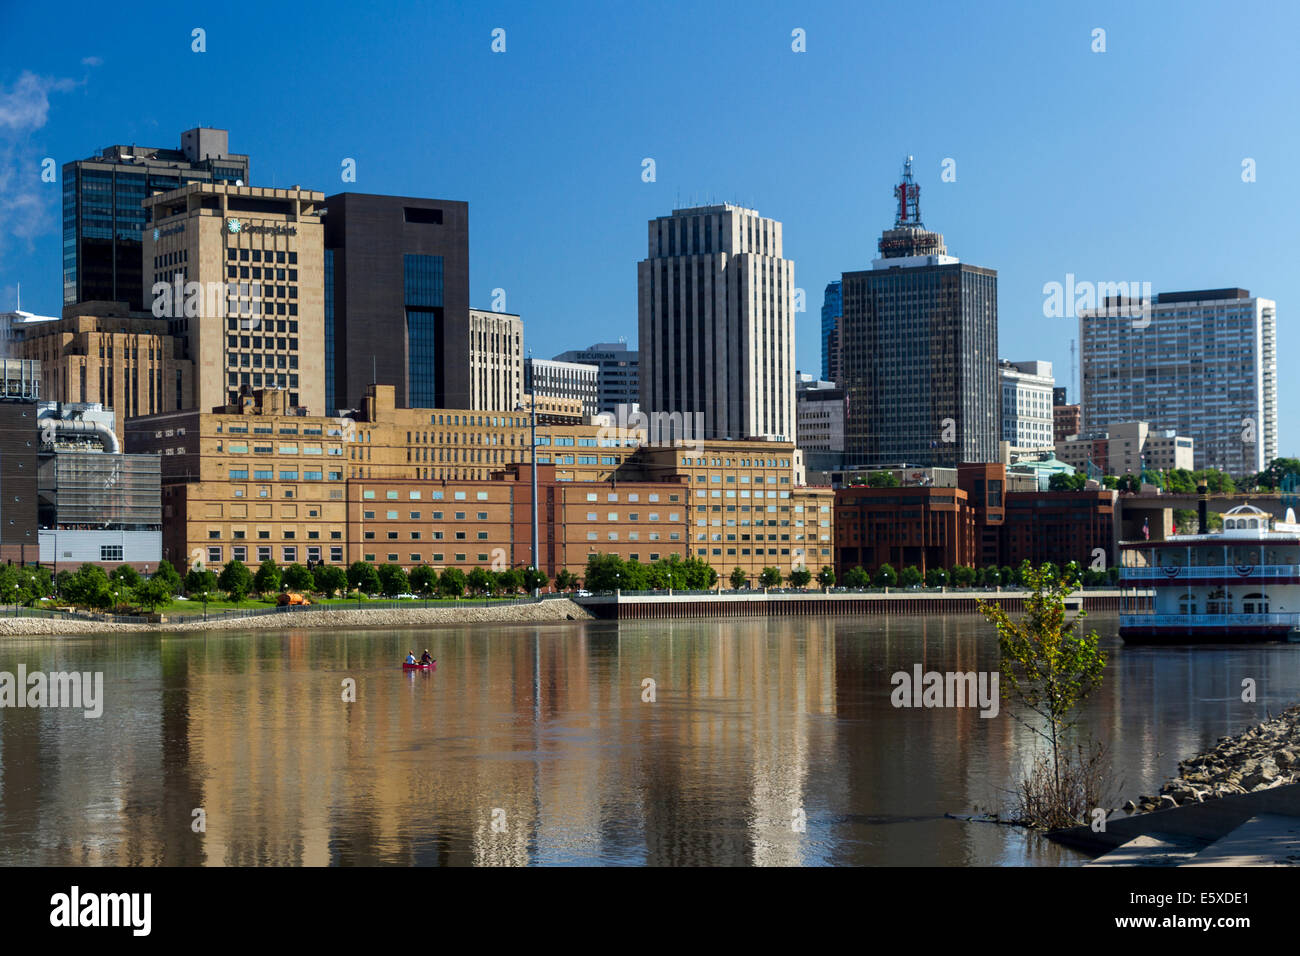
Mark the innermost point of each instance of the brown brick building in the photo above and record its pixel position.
(976, 524)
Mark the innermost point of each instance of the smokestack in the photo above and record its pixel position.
(1202, 509)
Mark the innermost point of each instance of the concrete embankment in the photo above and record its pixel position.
(387, 619)
(1243, 794)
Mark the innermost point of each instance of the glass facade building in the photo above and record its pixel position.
(422, 285)
(832, 313)
(103, 213)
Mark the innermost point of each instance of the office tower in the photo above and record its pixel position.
(398, 268)
(103, 210)
(564, 380)
(919, 350)
(1201, 363)
(716, 316)
(618, 381)
(1027, 404)
(832, 315)
(238, 273)
(496, 360)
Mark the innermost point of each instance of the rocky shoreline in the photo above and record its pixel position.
(354, 620)
(1263, 757)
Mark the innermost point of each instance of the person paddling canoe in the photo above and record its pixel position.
(426, 659)
(410, 657)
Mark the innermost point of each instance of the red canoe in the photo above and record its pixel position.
(419, 667)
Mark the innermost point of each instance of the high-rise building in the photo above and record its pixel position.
(20, 391)
(496, 360)
(565, 380)
(619, 380)
(1201, 363)
(238, 273)
(1027, 422)
(398, 267)
(716, 317)
(103, 210)
(832, 316)
(919, 350)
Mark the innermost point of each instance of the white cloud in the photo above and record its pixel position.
(28, 206)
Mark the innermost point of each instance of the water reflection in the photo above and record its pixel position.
(768, 743)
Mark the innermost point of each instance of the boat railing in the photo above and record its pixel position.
(1205, 571)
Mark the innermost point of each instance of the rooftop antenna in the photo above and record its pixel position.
(19, 306)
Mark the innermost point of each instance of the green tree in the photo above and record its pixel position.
(267, 579)
(167, 574)
(1008, 577)
(935, 577)
(1271, 477)
(424, 580)
(1064, 482)
(1049, 666)
(856, 577)
(738, 578)
(635, 576)
(153, 594)
(962, 576)
(770, 578)
(125, 576)
(604, 572)
(199, 580)
(826, 576)
(298, 577)
(565, 580)
(392, 580)
(236, 580)
(800, 578)
(699, 574)
(533, 579)
(481, 581)
(882, 479)
(1072, 574)
(886, 577)
(8, 584)
(452, 583)
(330, 579)
(1218, 482)
(510, 580)
(910, 576)
(363, 577)
(992, 576)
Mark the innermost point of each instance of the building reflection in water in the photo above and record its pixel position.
(532, 745)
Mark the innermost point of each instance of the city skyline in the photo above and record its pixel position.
(830, 203)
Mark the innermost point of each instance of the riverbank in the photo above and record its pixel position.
(1262, 758)
(336, 619)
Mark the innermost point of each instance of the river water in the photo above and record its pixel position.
(768, 742)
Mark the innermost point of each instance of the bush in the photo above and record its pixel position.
(910, 576)
(885, 577)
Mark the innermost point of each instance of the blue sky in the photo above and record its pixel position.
(1122, 165)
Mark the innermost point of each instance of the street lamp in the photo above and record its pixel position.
(532, 458)
(205, 605)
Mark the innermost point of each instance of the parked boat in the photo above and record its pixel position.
(1240, 584)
